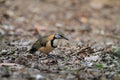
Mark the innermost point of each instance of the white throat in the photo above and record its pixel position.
(55, 42)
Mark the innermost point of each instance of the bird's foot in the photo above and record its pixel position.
(51, 56)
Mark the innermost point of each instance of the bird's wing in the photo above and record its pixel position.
(41, 42)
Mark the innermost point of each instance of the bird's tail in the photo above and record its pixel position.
(32, 50)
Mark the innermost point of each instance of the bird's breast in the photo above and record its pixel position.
(48, 48)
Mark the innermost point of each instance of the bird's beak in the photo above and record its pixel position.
(65, 38)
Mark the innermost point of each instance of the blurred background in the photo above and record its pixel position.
(85, 19)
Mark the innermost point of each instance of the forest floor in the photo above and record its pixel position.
(92, 27)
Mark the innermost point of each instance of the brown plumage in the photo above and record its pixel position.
(46, 44)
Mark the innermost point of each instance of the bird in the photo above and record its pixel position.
(45, 44)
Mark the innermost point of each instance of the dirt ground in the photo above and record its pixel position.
(92, 27)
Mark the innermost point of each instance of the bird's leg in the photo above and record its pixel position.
(50, 56)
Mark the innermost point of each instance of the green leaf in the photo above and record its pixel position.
(99, 66)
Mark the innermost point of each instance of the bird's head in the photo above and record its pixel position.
(55, 38)
(59, 36)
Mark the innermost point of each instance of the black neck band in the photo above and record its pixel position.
(52, 43)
